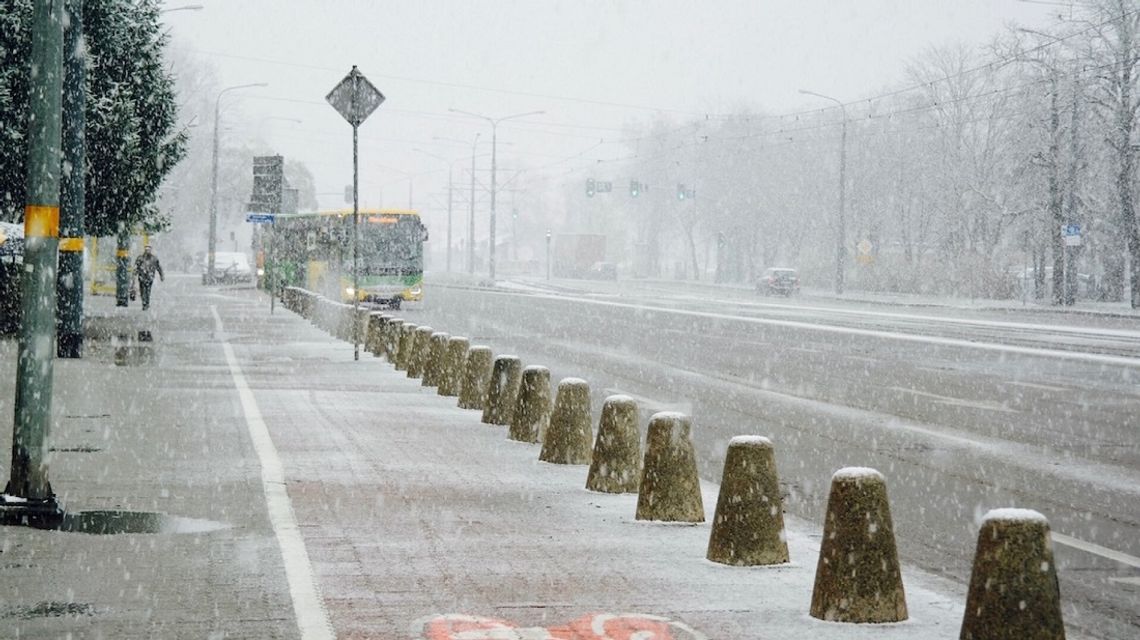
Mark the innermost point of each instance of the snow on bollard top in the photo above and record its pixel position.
(619, 398)
(858, 473)
(750, 441)
(1014, 514)
(458, 338)
(531, 367)
(572, 382)
(672, 416)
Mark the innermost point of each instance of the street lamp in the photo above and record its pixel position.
(450, 166)
(841, 232)
(214, 179)
(494, 139)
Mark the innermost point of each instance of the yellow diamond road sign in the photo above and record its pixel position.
(355, 98)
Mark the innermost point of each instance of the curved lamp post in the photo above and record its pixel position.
(214, 179)
(494, 139)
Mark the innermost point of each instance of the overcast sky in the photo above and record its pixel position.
(594, 67)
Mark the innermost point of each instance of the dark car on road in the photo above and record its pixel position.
(779, 280)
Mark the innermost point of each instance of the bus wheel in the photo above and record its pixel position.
(396, 304)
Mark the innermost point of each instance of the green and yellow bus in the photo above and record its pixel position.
(315, 251)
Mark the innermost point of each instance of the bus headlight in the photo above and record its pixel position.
(349, 291)
(260, 272)
(415, 291)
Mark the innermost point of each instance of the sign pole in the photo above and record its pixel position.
(355, 99)
(272, 265)
(355, 242)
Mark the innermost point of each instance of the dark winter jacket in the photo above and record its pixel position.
(146, 266)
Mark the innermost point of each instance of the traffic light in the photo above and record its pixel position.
(590, 187)
(634, 188)
(680, 191)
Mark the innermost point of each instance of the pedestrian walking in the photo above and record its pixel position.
(146, 266)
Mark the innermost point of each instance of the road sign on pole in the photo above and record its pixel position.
(1071, 233)
(260, 218)
(355, 99)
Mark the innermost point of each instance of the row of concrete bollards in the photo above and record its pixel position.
(1013, 591)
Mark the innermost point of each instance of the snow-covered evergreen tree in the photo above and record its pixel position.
(131, 111)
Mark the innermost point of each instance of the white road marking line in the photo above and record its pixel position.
(1095, 358)
(957, 402)
(309, 608)
(1096, 549)
(1131, 581)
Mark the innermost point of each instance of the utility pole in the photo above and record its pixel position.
(841, 221)
(69, 284)
(450, 193)
(471, 216)
(213, 242)
(28, 498)
(494, 140)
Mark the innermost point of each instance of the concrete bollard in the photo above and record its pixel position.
(476, 378)
(531, 417)
(361, 326)
(857, 578)
(748, 528)
(437, 352)
(570, 436)
(390, 338)
(451, 373)
(417, 358)
(373, 332)
(616, 464)
(404, 350)
(1013, 586)
(382, 337)
(670, 489)
(506, 376)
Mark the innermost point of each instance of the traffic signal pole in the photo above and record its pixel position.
(28, 499)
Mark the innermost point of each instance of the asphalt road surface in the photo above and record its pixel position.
(963, 410)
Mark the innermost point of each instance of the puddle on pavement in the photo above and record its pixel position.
(117, 522)
(48, 610)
